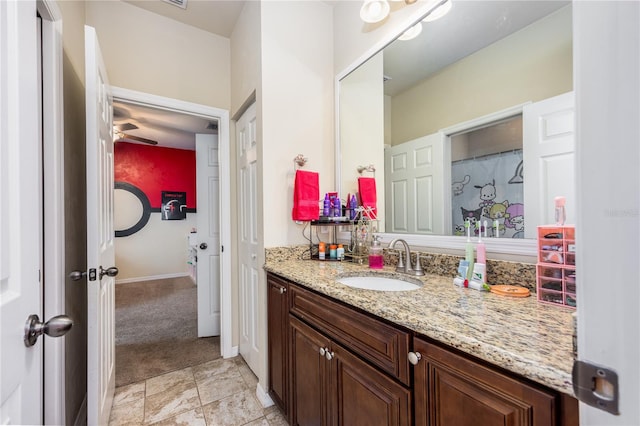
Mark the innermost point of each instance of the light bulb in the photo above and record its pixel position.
(373, 11)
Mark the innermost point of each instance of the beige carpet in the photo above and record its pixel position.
(156, 329)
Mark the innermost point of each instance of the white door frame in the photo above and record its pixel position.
(53, 191)
(145, 99)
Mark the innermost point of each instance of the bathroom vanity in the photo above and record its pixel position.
(438, 355)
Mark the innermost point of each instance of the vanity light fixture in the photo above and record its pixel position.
(373, 11)
(411, 33)
(440, 10)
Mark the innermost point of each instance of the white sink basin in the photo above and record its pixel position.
(379, 283)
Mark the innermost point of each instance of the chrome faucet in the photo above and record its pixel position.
(406, 268)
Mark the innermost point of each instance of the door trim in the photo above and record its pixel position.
(131, 96)
(53, 209)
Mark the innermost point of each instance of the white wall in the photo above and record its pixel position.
(245, 56)
(158, 250)
(532, 64)
(362, 120)
(149, 53)
(297, 108)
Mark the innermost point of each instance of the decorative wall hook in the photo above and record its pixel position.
(299, 161)
(370, 168)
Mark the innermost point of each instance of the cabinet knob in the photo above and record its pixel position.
(322, 351)
(414, 357)
(283, 290)
(328, 355)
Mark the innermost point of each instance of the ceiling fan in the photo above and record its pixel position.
(120, 129)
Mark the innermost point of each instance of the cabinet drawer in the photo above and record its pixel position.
(449, 381)
(381, 344)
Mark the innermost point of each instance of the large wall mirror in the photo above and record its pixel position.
(472, 119)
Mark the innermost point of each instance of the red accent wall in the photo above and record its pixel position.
(155, 169)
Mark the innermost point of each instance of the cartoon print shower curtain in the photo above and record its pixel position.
(489, 188)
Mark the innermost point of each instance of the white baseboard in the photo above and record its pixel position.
(81, 417)
(263, 397)
(152, 277)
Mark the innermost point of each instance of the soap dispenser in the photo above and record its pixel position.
(376, 260)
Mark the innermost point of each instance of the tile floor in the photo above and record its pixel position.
(218, 392)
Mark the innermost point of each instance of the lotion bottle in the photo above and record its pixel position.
(376, 260)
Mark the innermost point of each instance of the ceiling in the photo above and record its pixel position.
(215, 16)
(169, 129)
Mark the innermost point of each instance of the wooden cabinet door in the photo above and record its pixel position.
(362, 395)
(453, 390)
(278, 318)
(308, 376)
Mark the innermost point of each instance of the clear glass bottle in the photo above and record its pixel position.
(376, 259)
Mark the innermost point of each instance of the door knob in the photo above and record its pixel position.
(77, 275)
(55, 327)
(203, 246)
(110, 272)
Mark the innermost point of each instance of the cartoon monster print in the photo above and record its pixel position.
(458, 230)
(487, 193)
(457, 187)
(514, 219)
(473, 216)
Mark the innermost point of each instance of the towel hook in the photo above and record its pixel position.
(370, 168)
(299, 160)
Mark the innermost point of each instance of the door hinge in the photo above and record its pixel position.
(221, 249)
(596, 386)
(93, 274)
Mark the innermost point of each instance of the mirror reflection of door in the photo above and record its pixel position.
(414, 186)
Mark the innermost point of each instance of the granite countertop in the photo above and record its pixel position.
(521, 335)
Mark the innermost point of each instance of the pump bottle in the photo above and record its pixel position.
(376, 260)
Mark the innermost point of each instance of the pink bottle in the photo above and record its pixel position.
(376, 259)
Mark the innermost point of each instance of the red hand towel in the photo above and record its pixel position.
(306, 196)
(368, 196)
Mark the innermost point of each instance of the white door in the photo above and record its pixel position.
(20, 222)
(607, 84)
(548, 139)
(248, 247)
(100, 236)
(415, 197)
(208, 223)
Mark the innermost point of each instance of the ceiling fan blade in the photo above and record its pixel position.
(139, 139)
(125, 126)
